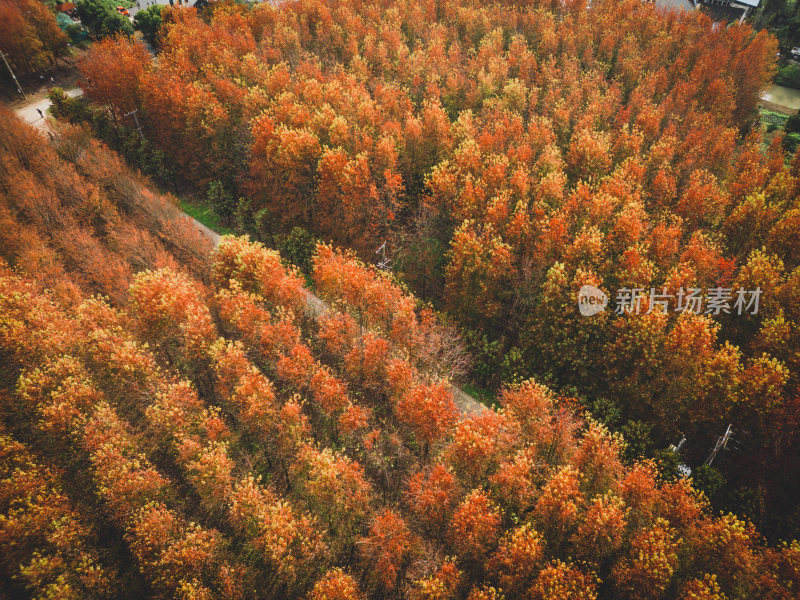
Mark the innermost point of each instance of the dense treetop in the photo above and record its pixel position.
(185, 422)
(209, 434)
(509, 153)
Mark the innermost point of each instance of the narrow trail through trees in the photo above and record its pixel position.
(30, 112)
(315, 305)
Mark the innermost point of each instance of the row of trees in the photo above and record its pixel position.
(75, 214)
(50, 546)
(509, 154)
(228, 475)
(225, 436)
(320, 454)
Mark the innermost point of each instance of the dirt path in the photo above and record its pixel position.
(778, 108)
(315, 305)
(30, 112)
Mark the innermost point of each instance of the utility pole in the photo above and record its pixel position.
(384, 263)
(14, 77)
(136, 120)
(722, 442)
(744, 15)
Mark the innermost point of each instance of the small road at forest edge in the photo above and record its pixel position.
(315, 305)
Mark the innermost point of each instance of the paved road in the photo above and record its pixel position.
(30, 112)
(207, 232)
(677, 4)
(466, 403)
(315, 305)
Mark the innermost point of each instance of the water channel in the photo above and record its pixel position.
(782, 95)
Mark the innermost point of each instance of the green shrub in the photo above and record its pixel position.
(298, 247)
(245, 218)
(149, 22)
(793, 124)
(513, 366)
(221, 200)
(487, 355)
(75, 110)
(668, 464)
(708, 480)
(791, 142)
(789, 76)
(605, 410)
(637, 435)
(102, 19)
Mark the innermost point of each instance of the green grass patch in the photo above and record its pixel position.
(767, 112)
(772, 117)
(480, 394)
(206, 216)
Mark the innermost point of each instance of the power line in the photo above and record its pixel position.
(136, 119)
(10, 70)
(384, 263)
(722, 442)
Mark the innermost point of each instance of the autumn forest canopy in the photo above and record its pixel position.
(273, 416)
